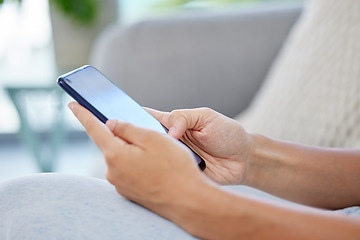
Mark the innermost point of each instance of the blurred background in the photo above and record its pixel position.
(40, 40)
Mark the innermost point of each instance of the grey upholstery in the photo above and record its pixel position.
(217, 60)
(62, 206)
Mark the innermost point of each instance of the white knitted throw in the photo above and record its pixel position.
(312, 93)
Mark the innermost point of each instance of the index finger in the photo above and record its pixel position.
(97, 131)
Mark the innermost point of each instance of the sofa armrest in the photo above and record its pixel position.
(216, 59)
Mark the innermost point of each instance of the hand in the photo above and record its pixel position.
(219, 140)
(144, 165)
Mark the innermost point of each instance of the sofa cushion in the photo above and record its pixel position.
(311, 95)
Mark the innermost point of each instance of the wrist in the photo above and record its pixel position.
(192, 206)
(270, 163)
(262, 154)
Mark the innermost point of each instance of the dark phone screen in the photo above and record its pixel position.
(110, 100)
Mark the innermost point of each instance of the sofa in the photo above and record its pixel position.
(304, 89)
(218, 60)
(214, 59)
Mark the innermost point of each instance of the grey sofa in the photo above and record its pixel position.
(213, 59)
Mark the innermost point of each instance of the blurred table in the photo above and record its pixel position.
(44, 142)
(30, 84)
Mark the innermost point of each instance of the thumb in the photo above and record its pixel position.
(162, 117)
(176, 126)
(180, 121)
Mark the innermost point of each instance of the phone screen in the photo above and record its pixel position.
(104, 99)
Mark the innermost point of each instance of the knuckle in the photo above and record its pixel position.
(206, 110)
(125, 125)
(176, 116)
(175, 113)
(110, 177)
(110, 157)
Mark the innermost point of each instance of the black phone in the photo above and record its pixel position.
(93, 90)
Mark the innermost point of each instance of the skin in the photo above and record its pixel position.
(158, 172)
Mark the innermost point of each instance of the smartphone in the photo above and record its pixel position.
(89, 87)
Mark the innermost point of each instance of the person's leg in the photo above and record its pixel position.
(48, 206)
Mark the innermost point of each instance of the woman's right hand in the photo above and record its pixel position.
(221, 141)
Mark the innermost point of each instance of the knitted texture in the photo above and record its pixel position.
(312, 93)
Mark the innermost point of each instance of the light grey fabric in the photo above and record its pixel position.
(217, 60)
(60, 206)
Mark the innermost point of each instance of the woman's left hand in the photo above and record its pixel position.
(144, 165)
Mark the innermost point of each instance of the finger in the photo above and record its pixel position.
(96, 130)
(186, 119)
(178, 126)
(176, 121)
(130, 133)
(162, 117)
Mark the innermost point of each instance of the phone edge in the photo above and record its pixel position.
(69, 90)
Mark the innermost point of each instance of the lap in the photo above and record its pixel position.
(65, 206)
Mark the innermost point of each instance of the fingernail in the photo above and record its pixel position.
(71, 105)
(111, 124)
(172, 131)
